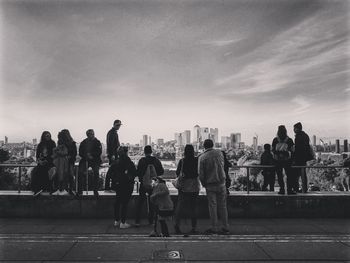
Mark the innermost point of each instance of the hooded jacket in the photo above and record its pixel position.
(112, 142)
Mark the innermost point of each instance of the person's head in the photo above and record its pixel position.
(298, 127)
(157, 180)
(282, 132)
(123, 151)
(189, 151)
(61, 139)
(147, 150)
(208, 144)
(267, 147)
(90, 134)
(45, 136)
(67, 137)
(117, 124)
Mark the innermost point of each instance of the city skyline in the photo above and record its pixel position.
(161, 67)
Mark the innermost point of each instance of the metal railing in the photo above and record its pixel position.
(247, 167)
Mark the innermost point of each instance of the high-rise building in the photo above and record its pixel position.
(235, 139)
(160, 142)
(149, 140)
(196, 134)
(204, 133)
(35, 141)
(337, 146)
(178, 139)
(214, 134)
(225, 142)
(346, 146)
(255, 143)
(186, 137)
(144, 140)
(314, 140)
(6, 140)
(2, 143)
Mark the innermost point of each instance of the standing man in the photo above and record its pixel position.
(90, 151)
(212, 176)
(301, 156)
(112, 150)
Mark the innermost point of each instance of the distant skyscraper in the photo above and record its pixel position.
(314, 140)
(346, 146)
(255, 143)
(214, 134)
(186, 137)
(196, 133)
(160, 142)
(2, 143)
(6, 140)
(204, 133)
(178, 139)
(35, 141)
(337, 146)
(235, 139)
(225, 142)
(144, 140)
(149, 140)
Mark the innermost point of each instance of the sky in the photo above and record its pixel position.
(165, 66)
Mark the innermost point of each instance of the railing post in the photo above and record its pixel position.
(248, 182)
(76, 178)
(19, 178)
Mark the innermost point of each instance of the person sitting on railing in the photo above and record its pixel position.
(268, 173)
(282, 147)
(90, 151)
(72, 155)
(40, 180)
(123, 173)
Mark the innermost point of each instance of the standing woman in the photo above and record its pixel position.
(282, 147)
(60, 154)
(44, 159)
(123, 173)
(188, 189)
(72, 154)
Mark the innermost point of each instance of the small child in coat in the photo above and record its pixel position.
(164, 206)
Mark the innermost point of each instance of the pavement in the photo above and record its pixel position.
(251, 240)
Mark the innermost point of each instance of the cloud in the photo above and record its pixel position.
(302, 104)
(221, 43)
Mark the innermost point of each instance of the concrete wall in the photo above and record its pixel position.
(243, 206)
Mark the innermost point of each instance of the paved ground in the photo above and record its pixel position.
(251, 240)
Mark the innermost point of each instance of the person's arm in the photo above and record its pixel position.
(74, 151)
(82, 149)
(201, 172)
(159, 167)
(108, 143)
(140, 168)
(178, 169)
(132, 169)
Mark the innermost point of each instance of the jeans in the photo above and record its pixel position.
(290, 175)
(122, 197)
(143, 195)
(83, 174)
(217, 203)
(186, 205)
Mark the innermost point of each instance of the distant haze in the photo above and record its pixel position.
(164, 66)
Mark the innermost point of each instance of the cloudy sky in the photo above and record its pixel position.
(165, 66)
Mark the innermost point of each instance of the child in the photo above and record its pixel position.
(268, 173)
(163, 205)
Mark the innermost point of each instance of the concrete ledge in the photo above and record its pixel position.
(254, 205)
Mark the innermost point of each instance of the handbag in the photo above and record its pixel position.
(178, 182)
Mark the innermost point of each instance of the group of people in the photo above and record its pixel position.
(55, 173)
(282, 155)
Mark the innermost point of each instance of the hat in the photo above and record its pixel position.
(119, 122)
(298, 126)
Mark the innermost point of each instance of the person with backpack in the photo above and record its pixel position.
(148, 167)
(282, 147)
(268, 173)
(123, 173)
(302, 154)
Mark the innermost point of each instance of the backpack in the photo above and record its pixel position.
(148, 175)
(282, 152)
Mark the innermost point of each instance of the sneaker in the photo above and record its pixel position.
(210, 232)
(124, 225)
(56, 192)
(224, 231)
(64, 192)
(38, 193)
(153, 234)
(116, 223)
(96, 194)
